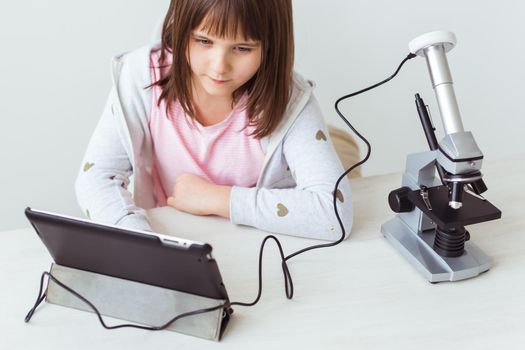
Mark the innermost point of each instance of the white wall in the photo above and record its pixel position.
(54, 77)
(54, 80)
(346, 45)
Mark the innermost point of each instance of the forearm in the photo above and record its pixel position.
(104, 199)
(294, 211)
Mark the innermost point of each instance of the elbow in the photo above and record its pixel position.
(78, 190)
(81, 191)
(341, 230)
(329, 225)
(340, 225)
(330, 229)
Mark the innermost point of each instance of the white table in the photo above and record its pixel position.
(359, 295)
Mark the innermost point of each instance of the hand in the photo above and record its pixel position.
(195, 195)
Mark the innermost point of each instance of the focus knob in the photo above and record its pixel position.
(399, 202)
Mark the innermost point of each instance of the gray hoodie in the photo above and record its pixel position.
(294, 192)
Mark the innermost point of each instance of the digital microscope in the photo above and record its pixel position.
(433, 209)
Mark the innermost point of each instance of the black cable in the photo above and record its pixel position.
(41, 296)
(287, 277)
(286, 272)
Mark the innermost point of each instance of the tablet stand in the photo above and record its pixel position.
(137, 302)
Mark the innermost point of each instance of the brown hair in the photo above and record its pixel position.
(267, 21)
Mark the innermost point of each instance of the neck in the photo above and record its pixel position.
(211, 109)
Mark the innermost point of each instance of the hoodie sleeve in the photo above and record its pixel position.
(307, 209)
(102, 183)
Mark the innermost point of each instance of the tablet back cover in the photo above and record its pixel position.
(128, 254)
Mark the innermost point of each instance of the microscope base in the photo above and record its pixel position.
(417, 249)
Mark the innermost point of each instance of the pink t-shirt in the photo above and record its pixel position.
(223, 153)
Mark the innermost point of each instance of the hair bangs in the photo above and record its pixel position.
(227, 19)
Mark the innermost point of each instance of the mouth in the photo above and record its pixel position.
(219, 81)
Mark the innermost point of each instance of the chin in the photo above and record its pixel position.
(218, 92)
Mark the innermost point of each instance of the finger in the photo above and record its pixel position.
(171, 201)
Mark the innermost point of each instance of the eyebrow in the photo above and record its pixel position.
(203, 36)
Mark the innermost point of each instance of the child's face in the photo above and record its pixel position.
(221, 65)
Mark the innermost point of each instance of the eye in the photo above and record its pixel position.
(204, 42)
(243, 49)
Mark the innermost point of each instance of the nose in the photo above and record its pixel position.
(220, 62)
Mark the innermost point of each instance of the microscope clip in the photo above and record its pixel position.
(424, 194)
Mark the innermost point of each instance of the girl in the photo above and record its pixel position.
(213, 121)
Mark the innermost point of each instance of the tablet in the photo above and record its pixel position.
(141, 256)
